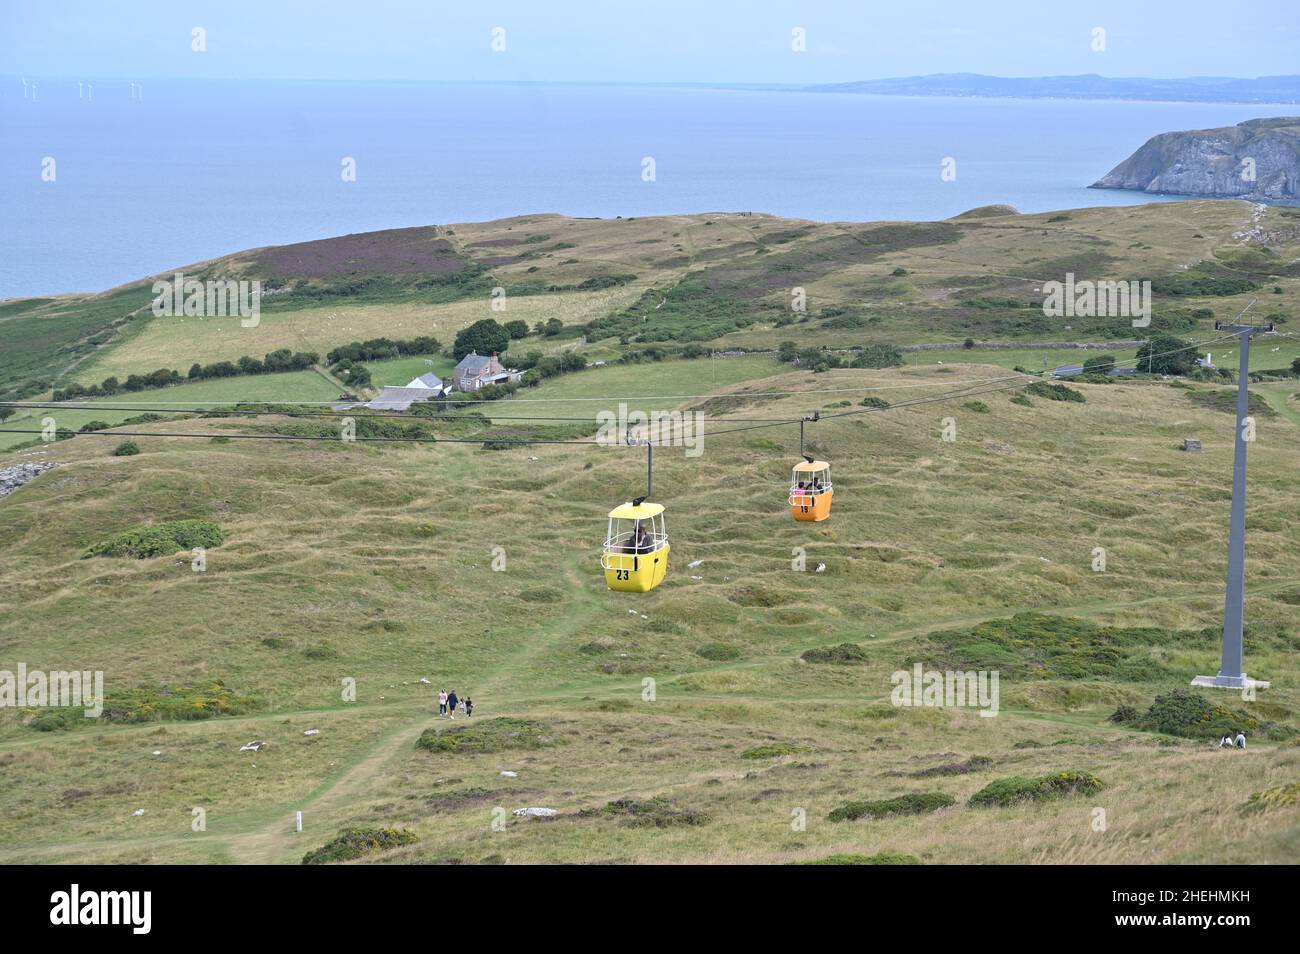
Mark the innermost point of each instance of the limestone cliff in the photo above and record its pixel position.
(1258, 159)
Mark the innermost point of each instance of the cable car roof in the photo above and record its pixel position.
(804, 467)
(631, 511)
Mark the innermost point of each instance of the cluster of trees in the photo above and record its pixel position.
(817, 359)
(276, 361)
(380, 349)
(489, 336)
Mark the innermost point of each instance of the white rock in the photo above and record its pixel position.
(425, 681)
(821, 568)
(510, 774)
(138, 811)
(535, 812)
(157, 752)
(255, 746)
(693, 565)
(312, 732)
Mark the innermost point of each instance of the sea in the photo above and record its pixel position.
(103, 182)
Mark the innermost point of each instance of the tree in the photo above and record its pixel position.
(1166, 354)
(516, 329)
(485, 336)
(879, 356)
(786, 352)
(196, 372)
(1295, 366)
(1101, 364)
(552, 327)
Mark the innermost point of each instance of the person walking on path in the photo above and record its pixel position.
(469, 707)
(452, 701)
(442, 702)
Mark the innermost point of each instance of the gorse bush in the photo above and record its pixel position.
(357, 842)
(159, 539)
(1186, 713)
(1054, 392)
(125, 449)
(844, 653)
(1017, 789)
(915, 803)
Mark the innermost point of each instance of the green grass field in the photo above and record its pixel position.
(692, 723)
(355, 563)
(289, 387)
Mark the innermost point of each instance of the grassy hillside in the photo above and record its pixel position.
(373, 562)
(726, 280)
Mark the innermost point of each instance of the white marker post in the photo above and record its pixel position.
(298, 822)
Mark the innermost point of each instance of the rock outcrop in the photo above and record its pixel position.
(1257, 160)
(11, 478)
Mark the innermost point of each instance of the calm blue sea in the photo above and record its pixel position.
(198, 169)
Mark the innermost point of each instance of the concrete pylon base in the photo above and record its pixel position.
(1230, 682)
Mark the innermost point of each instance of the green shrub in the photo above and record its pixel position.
(494, 735)
(1055, 392)
(160, 539)
(916, 803)
(979, 407)
(718, 652)
(771, 750)
(656, 812)
(357, 842)
(1016, 789)
(1186, 713)
(872, 401)
(1022, 401)
(844, 653)
(125, 449)
(1284, 796)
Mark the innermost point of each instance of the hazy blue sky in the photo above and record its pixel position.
(654, 40)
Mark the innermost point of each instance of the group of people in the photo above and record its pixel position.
(1228, 742)
(811, 488)
(448, 703)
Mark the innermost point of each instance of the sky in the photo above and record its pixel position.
(676, 41)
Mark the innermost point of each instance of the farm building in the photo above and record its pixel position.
(476, 371)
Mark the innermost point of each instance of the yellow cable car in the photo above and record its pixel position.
(811, 490)
(635, 558)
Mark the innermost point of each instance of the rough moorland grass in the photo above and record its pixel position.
(914, 803)
(159, 539)
(356, 842)
(973, 764)
(494, 735)
(879, 858)
(771, 750)
(1057, 647)
(1016, 789)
